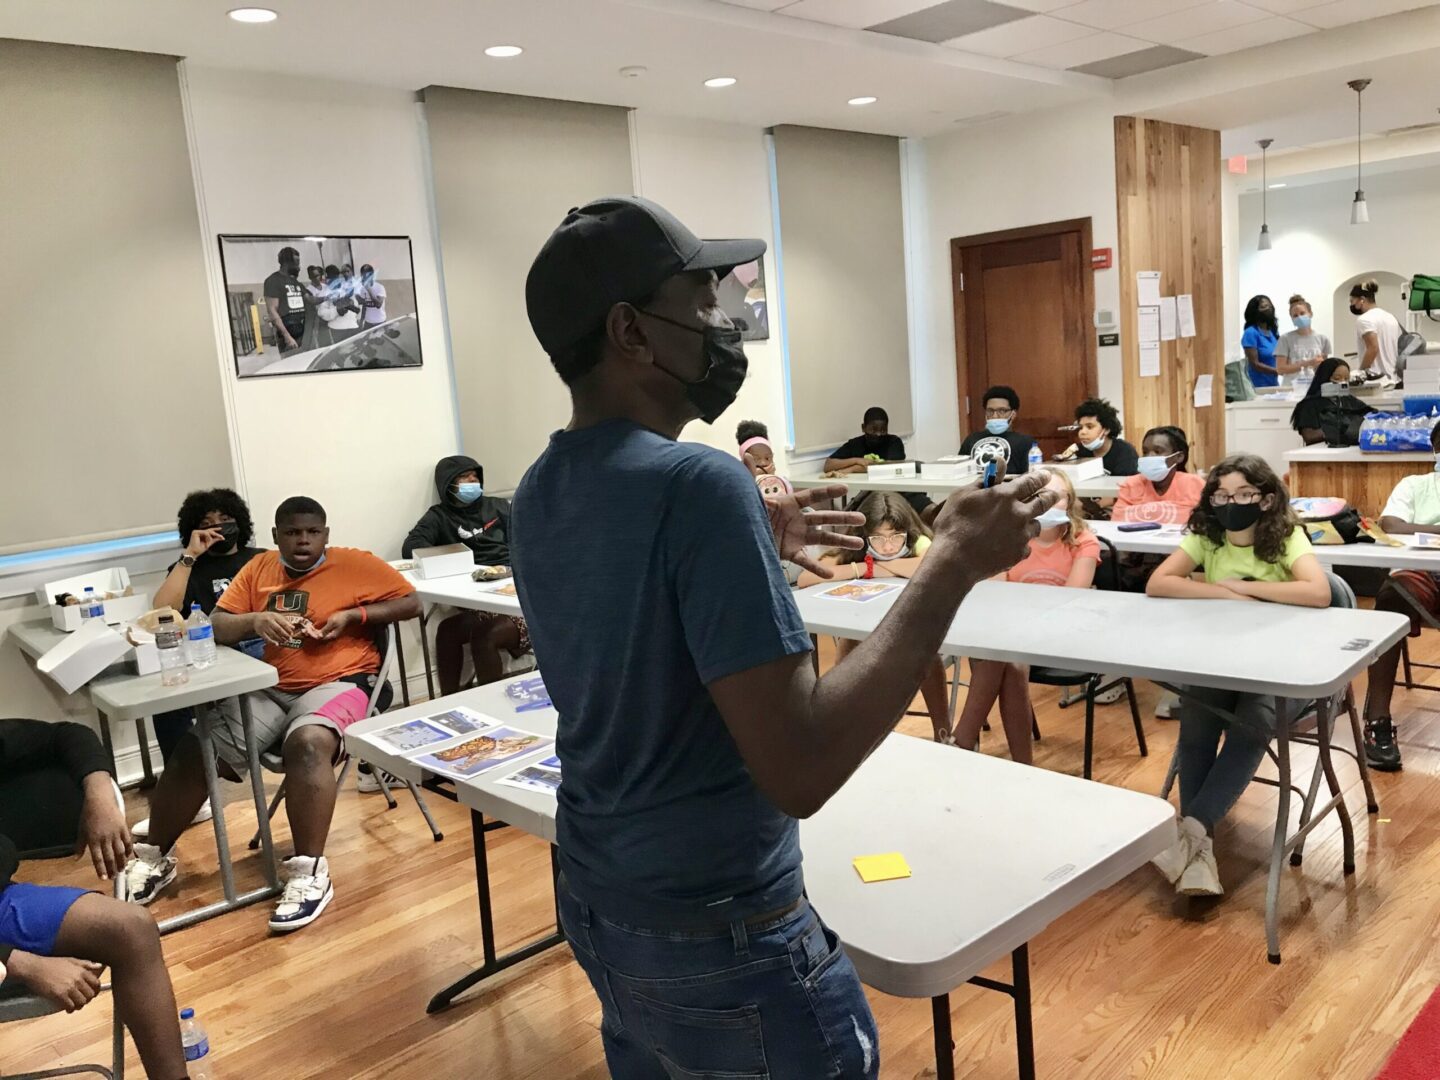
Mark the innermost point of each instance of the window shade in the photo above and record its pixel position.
(842, 245)
(109, 381)
(506, 169)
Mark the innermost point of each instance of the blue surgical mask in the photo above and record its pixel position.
(1302, 322)
(465, 494)
(903, 553)
(1155, 467)
(1053, 518)
(297, 570)
(997, 425)
(1093, 446)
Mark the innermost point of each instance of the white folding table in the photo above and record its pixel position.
(1164, 540)
(119, 695)
(1096, 487)
(460, 591)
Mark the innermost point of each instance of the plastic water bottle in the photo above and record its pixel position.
(173, 669)
(91, 606)
(1035, 458)
(199, 638)
(197, 1047)
(1303, 378)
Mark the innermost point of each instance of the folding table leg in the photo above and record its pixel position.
(1371, 804)
(944, 1041)
(1024, 1027)
(1282, 826)
(425, 653)
(1347, 827)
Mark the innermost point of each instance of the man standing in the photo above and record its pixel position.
(287, 302)
(693, 728)
(371, 295)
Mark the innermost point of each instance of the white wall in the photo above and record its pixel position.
(352, 163)
(1316, 249)
(1024, 170)
(715, 178)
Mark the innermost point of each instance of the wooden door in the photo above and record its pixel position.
(1023, 315)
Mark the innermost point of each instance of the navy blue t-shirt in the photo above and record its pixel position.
(646, 569)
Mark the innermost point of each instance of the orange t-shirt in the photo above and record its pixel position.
(347, 578)
(1050, 564)
(1139, 501)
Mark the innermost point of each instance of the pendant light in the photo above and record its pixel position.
(1359, 212)
(1264, 191)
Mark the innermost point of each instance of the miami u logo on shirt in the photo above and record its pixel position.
(290, 602)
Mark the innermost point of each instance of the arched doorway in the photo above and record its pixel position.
(1389, 298)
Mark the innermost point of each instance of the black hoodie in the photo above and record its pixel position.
(484, 525)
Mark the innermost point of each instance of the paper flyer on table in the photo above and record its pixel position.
(1149, 288)
(1150, 359)
(1168, 318)
(542, 776)
(859, 592)
(411, 735)
(481, 754)
(1149, 325)
(463, 721)
(504, 590)
(1185, 310)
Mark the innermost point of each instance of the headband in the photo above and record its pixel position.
(758, 440)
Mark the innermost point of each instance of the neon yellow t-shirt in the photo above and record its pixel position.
(1223, 562)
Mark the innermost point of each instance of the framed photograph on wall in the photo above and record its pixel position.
(300, 304)
(742, 297)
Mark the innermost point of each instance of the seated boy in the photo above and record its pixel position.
(874, 441)
(466, 515)
(317, 609)
(55, 788)
(1414, 507)
(1002, 407)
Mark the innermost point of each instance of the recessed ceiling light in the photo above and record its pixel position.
(503, 51)
(1279, 185)
(863, 100)
(252, 15)
(719, 81)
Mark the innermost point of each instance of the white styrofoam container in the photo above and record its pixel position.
(1084, 469)
(83, 655)
(947, 470)
(889, 470)
(114, 580)
(122, 609)
(440, 562)
(144, 659)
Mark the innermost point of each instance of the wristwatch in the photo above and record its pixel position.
(187, 561)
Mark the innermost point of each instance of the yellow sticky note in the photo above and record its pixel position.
(873, 868)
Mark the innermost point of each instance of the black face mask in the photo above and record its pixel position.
(229, 531)
(1236, 518)
(1356, 309)
(874, 442)
(726, 362)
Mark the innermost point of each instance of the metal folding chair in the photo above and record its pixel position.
(380, 698)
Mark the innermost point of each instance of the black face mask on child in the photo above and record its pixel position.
(1236, 518)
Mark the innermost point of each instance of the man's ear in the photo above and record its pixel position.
(275, 536)
(626, 334)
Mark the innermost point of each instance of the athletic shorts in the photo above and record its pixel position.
(279, 713)
(30, 915)
(1422, 590)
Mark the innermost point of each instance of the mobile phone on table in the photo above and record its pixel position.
(1138, 526)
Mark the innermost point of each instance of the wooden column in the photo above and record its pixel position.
(1167, 189)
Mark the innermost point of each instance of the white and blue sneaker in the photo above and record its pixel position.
(148, 871)
(306, 880)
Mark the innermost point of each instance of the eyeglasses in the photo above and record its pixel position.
(998, 414)
(887, 541)
(1240, 498)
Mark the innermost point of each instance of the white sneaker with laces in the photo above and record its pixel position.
(1202, 876)
(1112, 695)
(141, 829)
(1173, 860)
(149, 871)
(307, 892)
(367, 781)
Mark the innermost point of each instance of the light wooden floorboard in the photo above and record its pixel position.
(1130, 985)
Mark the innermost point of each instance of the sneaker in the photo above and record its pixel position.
(1165, 707)
(1110, 696)
(1381, 751)
(1201, 877)
(307, 892)
(367, 779)
(149, 871)
(141, 830)
(1173, 860)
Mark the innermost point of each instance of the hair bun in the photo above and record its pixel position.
(1298, 299)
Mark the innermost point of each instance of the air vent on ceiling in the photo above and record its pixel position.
(982, 118)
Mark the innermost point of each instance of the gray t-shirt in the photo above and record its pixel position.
(647, 570)
(1298, 347)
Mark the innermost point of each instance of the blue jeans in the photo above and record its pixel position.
(775, 1001)
(1212, 776)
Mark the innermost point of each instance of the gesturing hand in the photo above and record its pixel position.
(795, 530)
(275, 628)
(201, 541)
(992, 527)
(338, 623)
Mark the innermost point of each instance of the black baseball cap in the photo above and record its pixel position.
(615, 250)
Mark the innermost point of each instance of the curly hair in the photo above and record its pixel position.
(886, 508)
(199, 503)
(1276, 523)
(1103, 411)
(750, 429)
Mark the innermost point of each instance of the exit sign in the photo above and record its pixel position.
(1102, 259)
(1238, 165)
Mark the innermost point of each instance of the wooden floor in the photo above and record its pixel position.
(1128, 985)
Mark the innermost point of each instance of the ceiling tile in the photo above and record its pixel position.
(1192, 22)
(1284, 7)
(1022, 35)
(949, 20)
(1084, 51)
(759, 5)
(1043, 6)
(1139, 62)
(1246, 37)
(1344, 12)
(853, 13)
(1113, 14)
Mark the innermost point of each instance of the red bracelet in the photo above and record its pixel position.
(869, 567)
(364, 615)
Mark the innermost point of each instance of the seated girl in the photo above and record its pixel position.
(759, 457)
(1065, 553)
(1250, 547)
(896, 541)
(1334, 418)
(1163, 490)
